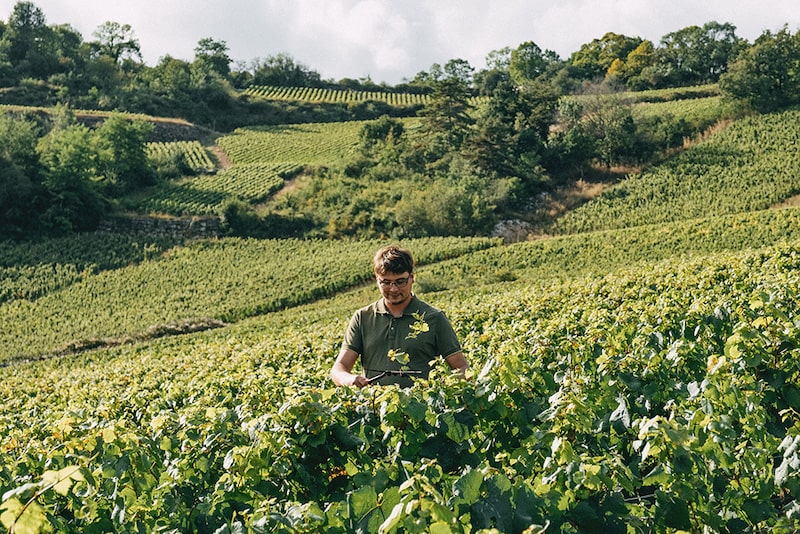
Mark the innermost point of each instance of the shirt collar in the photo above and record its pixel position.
(413, 306)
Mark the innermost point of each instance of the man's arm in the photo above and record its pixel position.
(458, 362)
(342, 370)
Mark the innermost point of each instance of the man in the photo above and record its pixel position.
(399, 334)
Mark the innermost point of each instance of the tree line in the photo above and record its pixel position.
(47, 64)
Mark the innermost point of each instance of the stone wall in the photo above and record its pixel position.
(178, 228)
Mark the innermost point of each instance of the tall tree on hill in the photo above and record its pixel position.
(595, 58)
(766, 76)
(26, 41)
(282, 70)
(696, 55)
(117, 41)
(446, 120)
(212, 57)
(529, 62)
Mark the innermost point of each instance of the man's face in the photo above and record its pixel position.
(395, 288)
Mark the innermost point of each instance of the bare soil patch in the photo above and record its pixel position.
(223, 161)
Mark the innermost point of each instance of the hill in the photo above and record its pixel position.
(636, 372)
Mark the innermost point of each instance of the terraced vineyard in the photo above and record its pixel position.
(205, 194)
(341, 96)
(745, 167)
(263, 158)
(194, 153)
(303, 144)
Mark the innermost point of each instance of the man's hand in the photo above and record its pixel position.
(458, 363)
(359, 381)
(342, 370)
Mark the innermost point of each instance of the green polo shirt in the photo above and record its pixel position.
(373, 332)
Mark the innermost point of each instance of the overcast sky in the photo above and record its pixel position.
(392, 40)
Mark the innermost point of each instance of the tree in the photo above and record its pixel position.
(696, 55)
(19, 176)
(499, 59)
(172, 77)
(26, 41)
(117, 41)
(610, 123)
(528, 62)
(595, 58)
(497, 63)
(570, 145)
(459, 69)
(123, 152)
(766, 76)
(382, 130)
(67, 48)
(282, 70)
(70, 159)
(512, 130)
(632, 69)
(212, 57)
(446, 120)
(429, 78)
(442, 208)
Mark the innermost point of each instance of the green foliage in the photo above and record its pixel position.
(446, 119)
(72, 166)
(123, 152)
(595, 58)
(529, 62)
(441, 209)
(282, 70)
(644, 399)
(637, 379)
(764, 77)
(697, 55)
(241, 220)
(18, 184)
(511, 131)
(380, 132)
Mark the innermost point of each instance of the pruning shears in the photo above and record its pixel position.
(392, 372)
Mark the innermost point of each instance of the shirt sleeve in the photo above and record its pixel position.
(353, 338)
(446, 339)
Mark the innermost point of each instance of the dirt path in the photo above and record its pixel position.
(222, 158)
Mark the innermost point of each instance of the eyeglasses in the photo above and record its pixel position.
(400, 282)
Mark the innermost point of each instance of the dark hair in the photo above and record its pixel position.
(393, 259)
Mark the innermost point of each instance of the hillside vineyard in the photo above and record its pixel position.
(637, 372)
